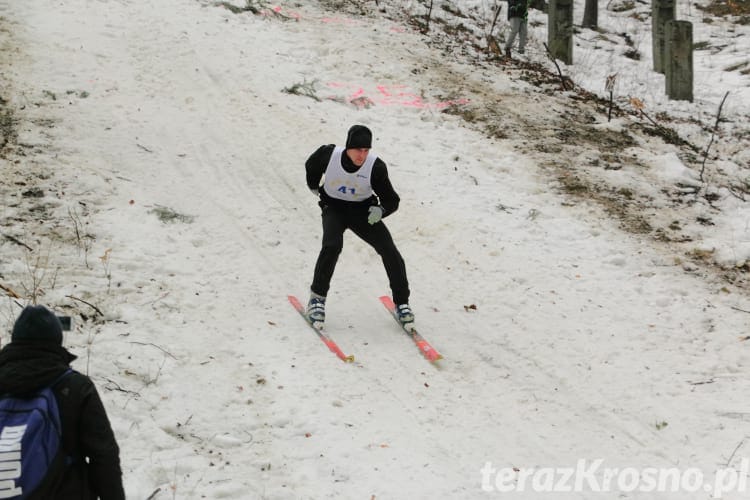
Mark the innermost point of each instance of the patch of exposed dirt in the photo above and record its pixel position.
(8, 134)
(33, 217)
(740, 9)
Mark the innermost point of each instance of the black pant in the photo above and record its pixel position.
(335, 222)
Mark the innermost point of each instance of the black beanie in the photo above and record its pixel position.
(37, 323)
(359, 137)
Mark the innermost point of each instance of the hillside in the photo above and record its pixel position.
(584, 278)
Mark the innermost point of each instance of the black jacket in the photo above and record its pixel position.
(385, 195)
(26, 367)
(518, 8)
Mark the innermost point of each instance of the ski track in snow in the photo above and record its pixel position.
(582, 338)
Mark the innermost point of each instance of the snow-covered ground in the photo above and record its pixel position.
(153, 188)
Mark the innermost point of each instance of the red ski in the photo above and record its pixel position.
(425, 348)
(319, 330)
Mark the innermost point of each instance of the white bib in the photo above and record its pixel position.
(342, 185)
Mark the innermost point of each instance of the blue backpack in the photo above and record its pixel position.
(31, 453)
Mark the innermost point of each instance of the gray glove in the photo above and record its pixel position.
(376, 213)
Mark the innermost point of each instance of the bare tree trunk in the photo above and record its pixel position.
(491, 43)
(429, 15)
(494, 19)
(591, 14)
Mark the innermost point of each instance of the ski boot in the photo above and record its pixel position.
(316, 309)
(403, 311)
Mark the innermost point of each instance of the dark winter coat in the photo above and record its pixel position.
(385, 195)
(518, 8)
(87, 434)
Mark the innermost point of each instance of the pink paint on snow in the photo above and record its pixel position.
(389, 95)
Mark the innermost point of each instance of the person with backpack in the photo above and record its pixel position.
(35, 374)
(356, 194)
(518, 16)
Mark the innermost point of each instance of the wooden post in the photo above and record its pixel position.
(560, 30)
(591, 14)
(678, 61)
(662, 11)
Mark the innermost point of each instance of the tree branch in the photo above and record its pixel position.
(713, 133)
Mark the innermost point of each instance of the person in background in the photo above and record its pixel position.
(34, 359)
(518, 16)
(356, 194)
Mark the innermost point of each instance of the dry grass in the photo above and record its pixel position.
(725, 8)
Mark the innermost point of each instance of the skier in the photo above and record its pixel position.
(356, 194)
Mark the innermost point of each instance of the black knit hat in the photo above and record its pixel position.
(39, 324)
(359, 137)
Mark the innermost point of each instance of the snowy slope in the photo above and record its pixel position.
(564, 337)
